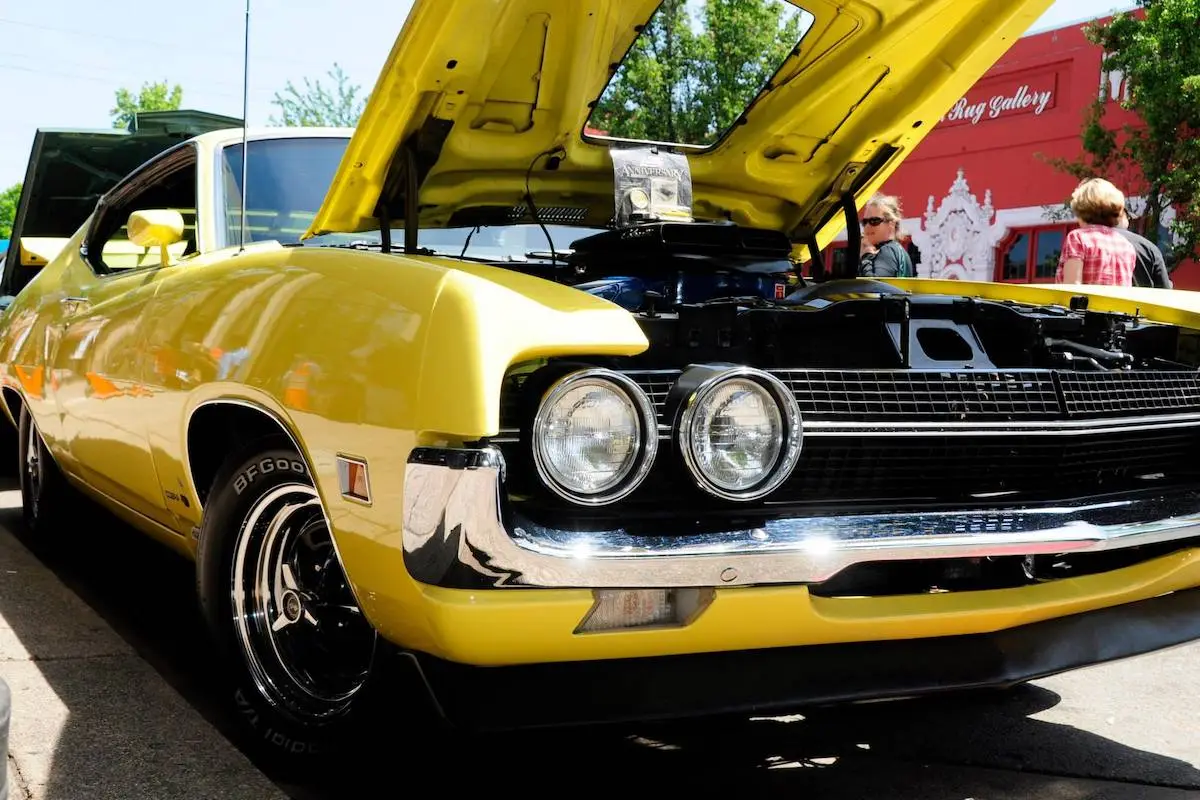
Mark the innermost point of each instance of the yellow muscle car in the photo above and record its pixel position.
(518, 389)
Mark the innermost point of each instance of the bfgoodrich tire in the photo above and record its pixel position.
(301, 655)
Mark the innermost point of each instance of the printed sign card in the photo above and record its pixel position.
(651, 184)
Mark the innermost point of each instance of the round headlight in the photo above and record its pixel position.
(594, 437)
(740, 434)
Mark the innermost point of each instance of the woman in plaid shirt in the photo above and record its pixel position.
(1096, 252)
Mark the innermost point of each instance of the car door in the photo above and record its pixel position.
(102, 361)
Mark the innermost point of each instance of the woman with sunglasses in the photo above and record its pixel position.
(884, 257)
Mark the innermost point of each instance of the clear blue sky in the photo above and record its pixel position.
(63, 60)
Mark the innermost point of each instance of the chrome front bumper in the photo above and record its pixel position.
(455, 535)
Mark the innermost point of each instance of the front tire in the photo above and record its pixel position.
(277, 600)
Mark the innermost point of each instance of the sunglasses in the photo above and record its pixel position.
(874, 221)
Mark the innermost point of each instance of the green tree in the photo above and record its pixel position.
(1159, 158)
(8, 209)
(152, 97)
(318, 106)
(695, 67)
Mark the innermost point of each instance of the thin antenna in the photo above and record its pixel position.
(245, 125)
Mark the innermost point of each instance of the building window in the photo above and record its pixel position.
(1030, 255)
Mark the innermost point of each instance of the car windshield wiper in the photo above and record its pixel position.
(369, 244)
(546, 255)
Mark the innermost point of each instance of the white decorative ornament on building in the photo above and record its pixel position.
(1113, 85)
(958, 240)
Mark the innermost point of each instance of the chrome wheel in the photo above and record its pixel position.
(307, 645)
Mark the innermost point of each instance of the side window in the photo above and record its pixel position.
(168, 184)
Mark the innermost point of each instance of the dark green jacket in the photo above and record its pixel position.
(891, 261)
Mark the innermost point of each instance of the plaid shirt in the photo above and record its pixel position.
(1108, 257)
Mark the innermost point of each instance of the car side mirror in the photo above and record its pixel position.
(159, 227)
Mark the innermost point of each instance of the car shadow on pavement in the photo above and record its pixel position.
(959, 746)
(969, 746)
(972, 745)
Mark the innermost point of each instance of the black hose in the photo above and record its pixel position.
(1087, 351)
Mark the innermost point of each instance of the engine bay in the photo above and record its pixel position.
(712, 292)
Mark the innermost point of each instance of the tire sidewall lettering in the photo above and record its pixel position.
(263, 468)
(273, 736)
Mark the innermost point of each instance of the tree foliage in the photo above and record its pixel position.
(152, 97)
(1159, 158)
(695, 67)
(8, 209)
(317, 106)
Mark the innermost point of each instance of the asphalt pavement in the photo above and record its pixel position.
(114, 696)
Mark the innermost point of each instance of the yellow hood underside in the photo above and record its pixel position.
(474, 90)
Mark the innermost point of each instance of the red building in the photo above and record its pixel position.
(979, 201)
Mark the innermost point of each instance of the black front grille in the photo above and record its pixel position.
(955, 465)
(656, 385)
(972, 396)
(961, 468)
(1119, 393)
(853, 472)
(923, 396)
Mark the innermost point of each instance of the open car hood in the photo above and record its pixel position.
(474, 91)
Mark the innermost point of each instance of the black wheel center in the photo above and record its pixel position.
(292, 607)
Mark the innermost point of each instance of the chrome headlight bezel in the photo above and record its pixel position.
(790, 447)
(646, 447)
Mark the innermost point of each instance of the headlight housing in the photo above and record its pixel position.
(740, 433)
(594, 438)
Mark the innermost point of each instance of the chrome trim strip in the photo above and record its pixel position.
(458, 458)
(1020, 373)
(1076, 427)
(1038, 429)
(453, 530)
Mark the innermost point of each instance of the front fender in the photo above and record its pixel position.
(486, 319)
(361, 355)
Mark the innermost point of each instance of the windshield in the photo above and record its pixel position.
(288, 181)
(486, 243)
